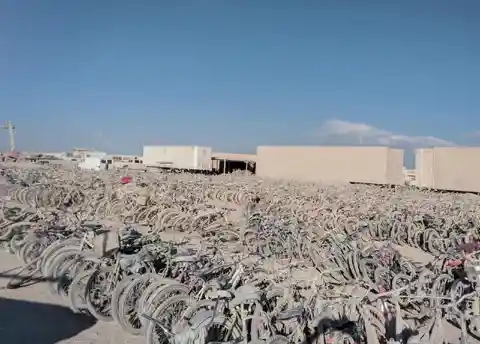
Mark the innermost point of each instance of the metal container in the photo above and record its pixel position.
(448, 168)
(181, 157)
(91, 163)
(376, 165)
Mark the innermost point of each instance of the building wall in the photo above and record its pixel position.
(81, 154)
(95, 154)
(394, 173)
(424, 167)
(58, 155)
(378, 165)
(449, 168)
(182, 157)
(123, 159)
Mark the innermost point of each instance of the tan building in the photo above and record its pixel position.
(448, 168)
(376, 165)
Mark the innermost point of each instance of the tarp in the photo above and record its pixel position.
(126, 180)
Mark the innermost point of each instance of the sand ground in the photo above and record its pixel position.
(33, 315)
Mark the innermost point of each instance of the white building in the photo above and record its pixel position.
(80, 154)
(178, 157)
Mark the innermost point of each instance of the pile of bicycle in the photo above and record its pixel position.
(264, 272)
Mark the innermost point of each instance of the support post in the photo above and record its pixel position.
(10, 127)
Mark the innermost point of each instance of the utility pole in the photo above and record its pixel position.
(10, 127)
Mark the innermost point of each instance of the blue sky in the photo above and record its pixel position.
(117, 74)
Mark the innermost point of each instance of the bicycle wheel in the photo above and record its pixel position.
(117, 294)
(66, 275)
(98, 295)
(166, 315)
(62, 259)
(207, 326)
(162, 294)
(129, 320)
(76, 291)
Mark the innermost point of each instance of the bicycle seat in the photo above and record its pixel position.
(208, 271)
(185, 259)
(92, 226)
(290, 314)
(245, 293)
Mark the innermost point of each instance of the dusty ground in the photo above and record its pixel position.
(35, 316)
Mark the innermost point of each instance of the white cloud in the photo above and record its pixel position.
(475, 134)
(360, 133)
